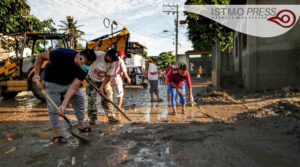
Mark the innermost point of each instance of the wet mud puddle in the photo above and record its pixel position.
(154, 137)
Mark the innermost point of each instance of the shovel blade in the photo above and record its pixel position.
(81, 138)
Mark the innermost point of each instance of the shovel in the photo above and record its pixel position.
(39, 85)
(201, 110)
(107, 99)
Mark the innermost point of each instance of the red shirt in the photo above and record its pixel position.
(168, 69)
(179, 80)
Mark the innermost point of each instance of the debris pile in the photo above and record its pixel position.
(288, 91)
(280, 108)
(216, 97)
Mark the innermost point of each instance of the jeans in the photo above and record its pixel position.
(173, 93)
(56, 92)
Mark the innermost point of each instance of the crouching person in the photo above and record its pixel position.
(62, 77)
(99, 75)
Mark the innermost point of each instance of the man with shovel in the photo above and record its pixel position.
(62, 77)
(99, 75)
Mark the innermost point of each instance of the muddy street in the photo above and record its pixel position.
(255, 131)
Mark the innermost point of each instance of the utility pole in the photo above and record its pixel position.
(173, 9)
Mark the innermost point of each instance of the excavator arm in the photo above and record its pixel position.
(104, 42)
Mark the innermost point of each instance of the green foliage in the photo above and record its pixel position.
(70, 26)
(204, 32)
(11, 16)
(39, 46)
(165, 58)
(147, 58)
(145, 53)
(48, 26)
(15, 19)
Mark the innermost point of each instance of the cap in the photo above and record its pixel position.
(121, 53)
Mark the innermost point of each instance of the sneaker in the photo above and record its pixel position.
(113, 119)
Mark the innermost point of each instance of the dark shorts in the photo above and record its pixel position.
(153, 86)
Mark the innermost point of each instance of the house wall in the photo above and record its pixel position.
(277, 60)
(136, 60)
(182, 58)
(267, 63)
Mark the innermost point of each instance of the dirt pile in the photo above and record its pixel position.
(216, 97)
(289, 91)
(280, 108)
(280, 117)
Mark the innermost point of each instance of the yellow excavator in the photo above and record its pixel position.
(117, 40)
(16, 72)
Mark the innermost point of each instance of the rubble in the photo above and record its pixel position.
(216, 97)
(280, 108)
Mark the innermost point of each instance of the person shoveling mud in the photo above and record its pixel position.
(176, 79)
(40, 87)
(62, 76)
(101, 70)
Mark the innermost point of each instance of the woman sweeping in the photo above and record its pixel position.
(176, 78)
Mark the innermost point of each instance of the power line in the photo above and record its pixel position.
(150, 34)
(130, 26)
(155, 9)
(136, 29)
(174, 11)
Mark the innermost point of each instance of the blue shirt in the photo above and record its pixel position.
(61, 69)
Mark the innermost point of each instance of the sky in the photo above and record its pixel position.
(144, 19)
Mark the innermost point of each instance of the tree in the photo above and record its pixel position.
(11, 16)
(147, 58)
(165, 58)
(15, 19)
(70, 26)
(203, 32)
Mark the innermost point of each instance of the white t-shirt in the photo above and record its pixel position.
(152, 68)
(100, 68)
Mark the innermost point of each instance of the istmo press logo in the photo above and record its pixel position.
(255, 20)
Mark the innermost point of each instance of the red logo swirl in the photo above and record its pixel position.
(285, 18)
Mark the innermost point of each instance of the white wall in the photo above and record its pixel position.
(136, 60)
